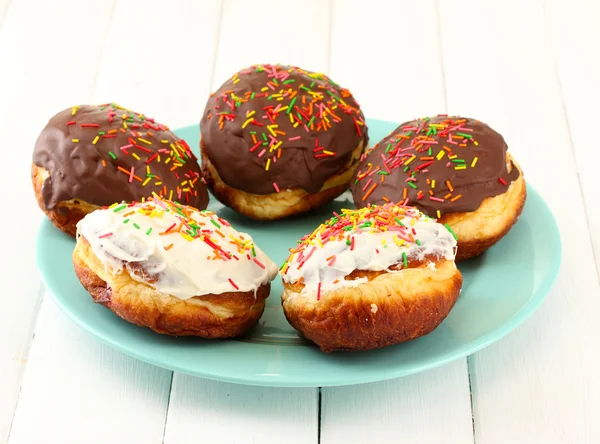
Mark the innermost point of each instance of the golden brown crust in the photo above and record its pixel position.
(388, 309)
(224, 315)
(278, 205)
(480, 229)
(66, 214)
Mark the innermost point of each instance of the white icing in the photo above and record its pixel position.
(187, 268)
(373, 251)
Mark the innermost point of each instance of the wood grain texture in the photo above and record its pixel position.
(574, 35)
(78, 390)
(435, 406)
(211, 411)
(428, 408)
(538, 385)
(38, 78)
(168, 75)
(228, 412)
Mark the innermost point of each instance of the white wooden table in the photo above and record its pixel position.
(530, 68)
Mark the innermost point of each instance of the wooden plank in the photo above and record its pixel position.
(539, 383)
(574, 36)
(222, 412)
(431, 407)
(252, 413)
(159, 57)
(40, 77)
(79, 390)
(396, 85)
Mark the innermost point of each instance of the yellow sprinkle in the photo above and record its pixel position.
(124, 124)
(157, 183)
(452, 157)
(185, 190)
(75, 140)
(158, 158)
(274, 147)
(236, 81)
(329, 153)
(296, 124)
(413, 157)
(440, 155)
(74, 110)
(135, 156)
(461, 167)
(264, 89)
(433, 183)
(187, 237)
(474, 162)
(171, 195)
(268, 163)
(166, 161)
(438, 214)
(147, 169)
(145, 141)
(250, 113)
(270, 128)
(96, 140)
(247, 122)
(148, 179)
(476, 144)
(164, 141)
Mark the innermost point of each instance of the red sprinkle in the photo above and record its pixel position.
(105, 235)
(233, 283)
(502, 181)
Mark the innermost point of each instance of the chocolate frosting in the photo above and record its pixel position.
(439, 165)
(106, 154)
(274, 127)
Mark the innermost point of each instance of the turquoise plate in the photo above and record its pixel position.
(501, 289)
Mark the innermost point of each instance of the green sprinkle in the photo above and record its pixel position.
(406, 168)
(136, 225)
(410, 184)
(388, 148)
(366, 224)
(418, 242)
(149, 231)
(119, 208)
(252, 132)
(253, 251)
(111, 154)
(348, 242)
(466, 136)
(399, 222)
(126, 220)
(348, 228)
(311, 120)
(450, 230)
(304, 88)
(283, 266)
(215, 223)
(289, 81)
(252, 96)
(101, 133)
(264, 136)
(429, 152)
(312, 84)
(404, 259)
(408, 133)
(291, 105)
(458, 161)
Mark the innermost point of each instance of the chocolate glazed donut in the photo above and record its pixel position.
(272, 128)
(445, 164)
(90, 156)
(451, 168)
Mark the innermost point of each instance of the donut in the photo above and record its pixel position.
(370, 278)
(173, 269)
(90, 156)
(454, 169)
(279, 140)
